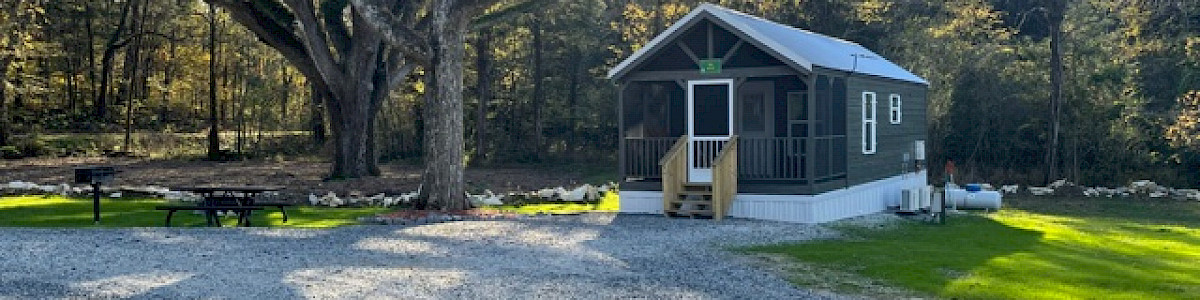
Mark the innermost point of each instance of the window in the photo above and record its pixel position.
(894, 102)
(868, 122)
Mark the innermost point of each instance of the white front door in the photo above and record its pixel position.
(710, 122)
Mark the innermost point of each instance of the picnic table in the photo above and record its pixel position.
(240, 199)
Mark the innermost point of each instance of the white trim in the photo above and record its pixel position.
(869, 141)
(862, 199)
(640, 202)
(698, 174)
(894, 112)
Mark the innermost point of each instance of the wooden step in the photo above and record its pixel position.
(699, 193)
(696, 186)
(694, 202)
(693, 213)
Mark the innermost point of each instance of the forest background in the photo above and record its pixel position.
(140, 77)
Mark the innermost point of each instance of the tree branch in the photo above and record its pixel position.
(313, 39)
(476, 7)
(395, 29)
(339, 34)
(277, 36)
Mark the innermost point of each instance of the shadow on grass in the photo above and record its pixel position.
(56, 211)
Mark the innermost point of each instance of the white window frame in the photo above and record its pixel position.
(895, 113)
(869, 121)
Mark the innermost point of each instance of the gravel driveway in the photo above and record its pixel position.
(599, 256)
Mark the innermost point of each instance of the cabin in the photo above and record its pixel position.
(728, 114)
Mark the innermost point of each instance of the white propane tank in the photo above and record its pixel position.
(989, 200)
(962, 199)
(955, 196)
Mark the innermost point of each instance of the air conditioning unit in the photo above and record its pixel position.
(910, 200)
(923, 198)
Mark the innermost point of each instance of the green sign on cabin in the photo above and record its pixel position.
(710, 66)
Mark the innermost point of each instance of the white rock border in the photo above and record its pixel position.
(1136, 188)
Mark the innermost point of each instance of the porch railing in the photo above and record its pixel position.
(725, 178)
(643, 154)
(673, 170)
(763, 160)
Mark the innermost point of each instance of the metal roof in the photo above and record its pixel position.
(803, 49)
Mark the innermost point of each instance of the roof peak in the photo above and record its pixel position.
(707, 5)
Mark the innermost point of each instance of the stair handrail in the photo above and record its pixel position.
(725, 178)
(674, 171)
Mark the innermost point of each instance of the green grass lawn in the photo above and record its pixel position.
(610, 202)
(1039, 248)
(57, 211)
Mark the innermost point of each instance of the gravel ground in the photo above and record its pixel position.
(592, 256)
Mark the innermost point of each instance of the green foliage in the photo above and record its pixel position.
(1129, 66)
(10, 152)
(1062, 249)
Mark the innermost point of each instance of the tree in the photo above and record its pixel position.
(444, 50)
(1185, 130)
(214, 126)
(350, 66)
(1055, 11)
(16, 22)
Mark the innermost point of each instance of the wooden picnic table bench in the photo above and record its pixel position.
(241, 210)
(239, 199)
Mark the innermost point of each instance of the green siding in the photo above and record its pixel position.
(892, 140)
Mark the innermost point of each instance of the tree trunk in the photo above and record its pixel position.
(443, 186)
(316, 121)
(214, 138)
(4, 121)
(573, 100)
(238, 98)
(132, 64)
(1056, 81)
(110, 51)
(91, 48)
(285, 97)
(72, 86)
(483, 60)
(168, 78)
(353, 108)
(539, 97)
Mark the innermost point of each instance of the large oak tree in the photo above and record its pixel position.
(355, 52)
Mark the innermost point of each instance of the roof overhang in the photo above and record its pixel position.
(747, 28)
(716, 15)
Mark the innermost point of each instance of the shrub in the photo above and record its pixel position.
(10, 152)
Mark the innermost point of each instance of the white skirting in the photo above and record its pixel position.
(854, 201)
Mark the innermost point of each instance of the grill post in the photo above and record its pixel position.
(94, 176)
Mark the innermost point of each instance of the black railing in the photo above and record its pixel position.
(774, 159)
(642, 155)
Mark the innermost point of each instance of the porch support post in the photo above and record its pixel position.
(621, 87)
(810, 146)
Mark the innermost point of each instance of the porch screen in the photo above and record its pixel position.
(711, 110)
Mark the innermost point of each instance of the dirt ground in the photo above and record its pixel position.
(298, 178)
